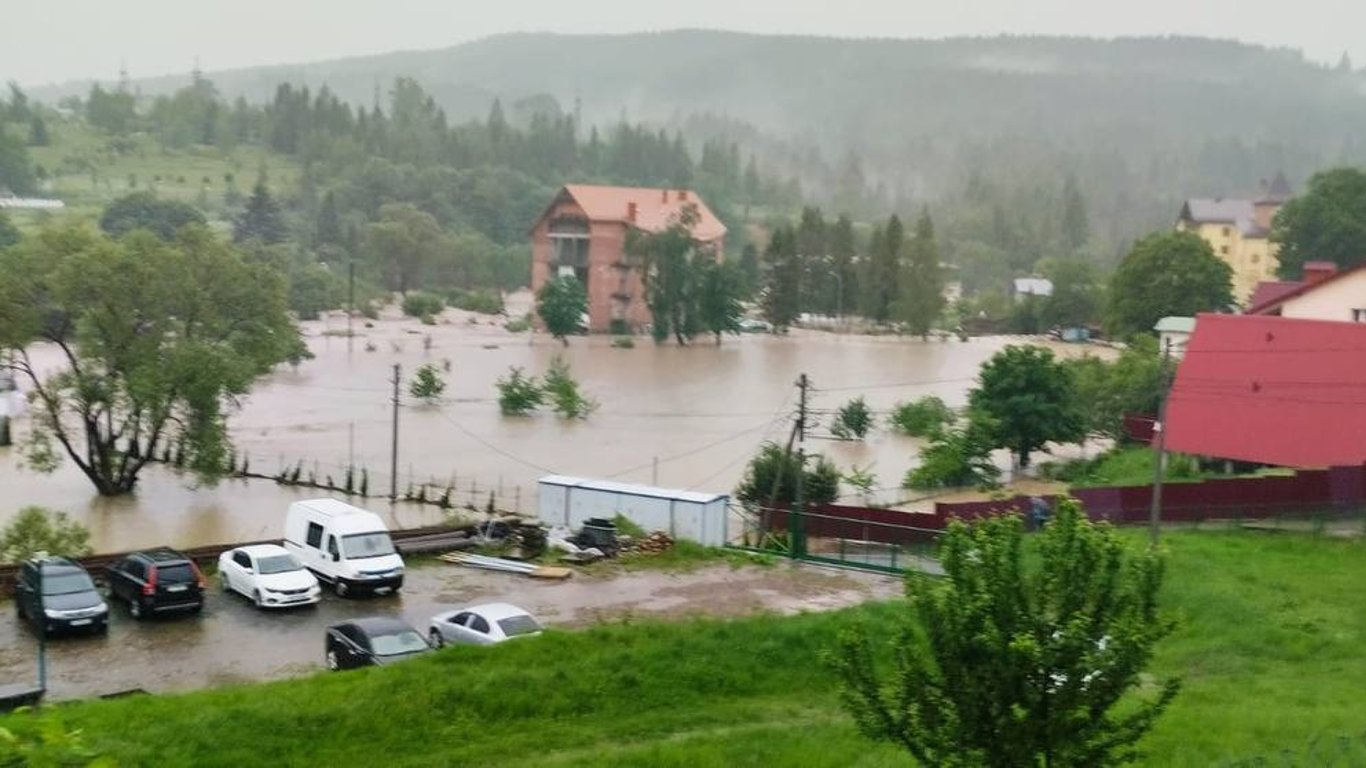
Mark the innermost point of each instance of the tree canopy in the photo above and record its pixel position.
(561, 304)
(1029, 400)
(144, 210)
(1167, 273)
(156, 339)
(1326, 223)
(921, 283)
(1004, 662)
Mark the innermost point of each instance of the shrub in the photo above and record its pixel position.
(427, 384)
(623, 342)
(853, 420)
(771, 474)
(923, 417)
(36, 529)
(518, 325)
(563, 391)
(955, 458)
(519, 394)
(418, 304)
(483, 302)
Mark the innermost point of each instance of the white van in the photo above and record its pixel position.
(345, 546)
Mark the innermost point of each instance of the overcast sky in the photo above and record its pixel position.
(47, 41)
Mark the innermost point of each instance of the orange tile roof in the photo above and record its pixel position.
(654, 208)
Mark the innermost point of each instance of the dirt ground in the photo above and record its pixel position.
(233, 642)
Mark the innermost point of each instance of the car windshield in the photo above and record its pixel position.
(278, 564)
(68, 583)
(362, 545)
(519, 625)
(406, 641)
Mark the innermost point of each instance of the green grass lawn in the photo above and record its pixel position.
(1270, 639)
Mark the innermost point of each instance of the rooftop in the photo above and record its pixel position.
(1175, 325)
(630, 489)
(647, 209)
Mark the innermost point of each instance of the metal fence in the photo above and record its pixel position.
(856, 537)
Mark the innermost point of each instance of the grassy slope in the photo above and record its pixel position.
(1269, 644)
(76, 147)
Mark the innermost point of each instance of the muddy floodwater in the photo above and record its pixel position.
(680, 417)
(231, 641)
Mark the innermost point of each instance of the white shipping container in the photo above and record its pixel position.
(570, 501)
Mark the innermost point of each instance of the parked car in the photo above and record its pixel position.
(374, 641)
(157, 581)
(269, 575)
(56, 594)
(482, 625)
(344, 546)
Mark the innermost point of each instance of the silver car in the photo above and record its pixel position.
(485, 624)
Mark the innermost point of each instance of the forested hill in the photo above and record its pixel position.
(1140, 122)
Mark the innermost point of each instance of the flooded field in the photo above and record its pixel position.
(233, 642)
(682, 417)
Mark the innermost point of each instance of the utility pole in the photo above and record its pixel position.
(1160, 426)
(802, 385)
(393, 453)
(350, 297)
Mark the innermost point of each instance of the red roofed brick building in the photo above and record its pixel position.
(1272, 390)
(583, 232)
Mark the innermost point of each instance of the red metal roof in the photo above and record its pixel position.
(1271, 390)
(654, 209)
(1269, 291)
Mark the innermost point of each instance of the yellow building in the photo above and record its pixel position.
(1239, 231)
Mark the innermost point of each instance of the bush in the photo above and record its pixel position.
(418, 304)
(955, 458)
(36, 529)
(623, 342)
(483, 302)
(427, 384)
(518, 325)
(922, 418)
(774, 469)
(519, 394)
(853, 420)
(563, 391)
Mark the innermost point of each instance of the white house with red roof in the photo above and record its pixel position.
(583, 233)
(1326, 293)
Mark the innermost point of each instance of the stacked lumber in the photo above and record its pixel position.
(506, 566)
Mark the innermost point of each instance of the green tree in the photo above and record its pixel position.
(261, 220)
(749, 269)
(403, 244)
(1013, 660)
(561, 304)
(1326, 223)
(921, 285)
(1168, 273)
(852, 420)
(427, 384)
(771, 478)
(669, 269)
(844, 256)
(883, 271)
(1108, 391)
(1076, 229)
(156, 341)
(9, 234)
(329, 228)
(16, 169)
(1030, 400)
(111, 111)
(1075, 301)
(922, 418)
(956, 457)
(562, 389)
(37, 132)
(781, 294)
(144, 210)
(36, 529)
(519, 394)
(720, 289)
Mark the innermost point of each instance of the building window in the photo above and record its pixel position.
(1256, 258)
(1223, 249)
(1226, 231)
(1359, 315)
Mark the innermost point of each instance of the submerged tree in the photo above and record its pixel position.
(561, 303)
(1005, 663)
(156, 340)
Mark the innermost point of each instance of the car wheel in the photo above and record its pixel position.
(102, 629)
(340, 586)
(256, 598)
(135, 608)
(437, 640)
(332, 662)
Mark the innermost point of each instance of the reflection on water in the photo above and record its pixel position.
(700, 410)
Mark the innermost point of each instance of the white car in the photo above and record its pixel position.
(485, 624)
(269, 575)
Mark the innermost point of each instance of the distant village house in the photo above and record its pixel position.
(1239, 231)
(584, 231)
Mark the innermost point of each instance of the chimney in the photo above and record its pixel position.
(631, 212)
(683, 195)
(1318, 271)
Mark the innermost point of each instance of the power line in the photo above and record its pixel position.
(496, 449)
(894, 385)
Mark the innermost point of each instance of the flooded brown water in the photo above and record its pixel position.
(700, 410)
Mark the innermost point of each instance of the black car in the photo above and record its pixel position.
(157, 581)
(56, 594)
(370, 642)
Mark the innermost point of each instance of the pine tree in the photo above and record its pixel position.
(261, 220)
(922, 283)
(329, 230)
(841, 246)
(37, 133)
(1075, 228)
(884, 269)
(782, 279)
